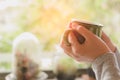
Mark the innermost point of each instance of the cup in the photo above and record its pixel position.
(95, 28)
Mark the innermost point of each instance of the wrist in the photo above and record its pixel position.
(113, 49)
(111, 46)
(102, 52)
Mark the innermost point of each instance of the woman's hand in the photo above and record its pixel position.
(92, 48)
(109, 43)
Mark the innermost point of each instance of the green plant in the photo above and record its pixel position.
(5, 65)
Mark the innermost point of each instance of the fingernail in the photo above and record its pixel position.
(78, 27)
(74, 25)
(68, 25)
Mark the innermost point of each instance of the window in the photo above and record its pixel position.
(47, 20)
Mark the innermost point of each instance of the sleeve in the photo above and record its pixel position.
(106, 67)
(117, 54)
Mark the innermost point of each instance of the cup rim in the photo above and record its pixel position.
(86, 22)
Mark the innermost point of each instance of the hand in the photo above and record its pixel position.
(104, 37)
(67, 47)
(109, 43)
(92, 48)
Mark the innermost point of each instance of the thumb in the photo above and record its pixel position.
(75, 45)
(105, 38)
(84, 32)
(73, 40)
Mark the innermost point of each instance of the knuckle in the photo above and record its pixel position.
(76, 51)
(61, 45)
(82, 54)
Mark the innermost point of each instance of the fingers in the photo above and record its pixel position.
(65, 47)
(84, 32)
(68, 53)
(69, 25)
(109, 43)
(65, 37)
(65, 44)
(75, 45)
(105, 37)
(78, 58)
(73, 40)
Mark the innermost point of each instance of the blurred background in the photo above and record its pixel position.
(47, 20)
